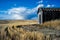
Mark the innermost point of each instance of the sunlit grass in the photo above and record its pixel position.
(12, 32)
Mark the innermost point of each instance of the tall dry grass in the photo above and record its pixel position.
(53, 23)
(18, 33)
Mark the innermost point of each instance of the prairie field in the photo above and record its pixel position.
(29, 30)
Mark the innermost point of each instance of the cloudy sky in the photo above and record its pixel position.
(24, 9)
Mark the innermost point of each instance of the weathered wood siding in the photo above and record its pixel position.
(50, 14)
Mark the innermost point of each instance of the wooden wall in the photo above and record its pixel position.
(51, 15)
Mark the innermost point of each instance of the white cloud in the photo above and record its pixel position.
(20, 13)
(41, 1)
(16, 16)
(50, 5)
(16, 10)
(17, 13)
(40, 5)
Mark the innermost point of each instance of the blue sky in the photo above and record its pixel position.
(24, 9)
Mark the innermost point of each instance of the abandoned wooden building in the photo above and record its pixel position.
(47, 14)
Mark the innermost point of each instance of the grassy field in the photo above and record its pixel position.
(17, 22)
(28, 30)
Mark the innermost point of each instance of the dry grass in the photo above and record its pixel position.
(20, 34)
(12, 32)
(17, 22)
(53, 23)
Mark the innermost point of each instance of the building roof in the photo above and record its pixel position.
(49, 9)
